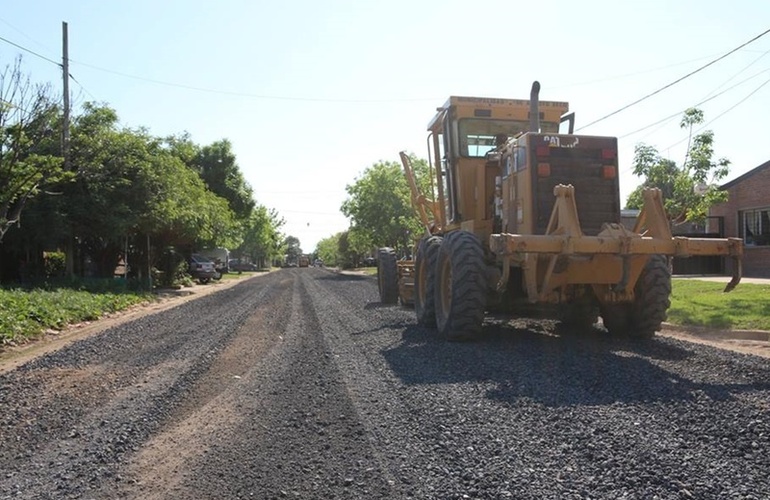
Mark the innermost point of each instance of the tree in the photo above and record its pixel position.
(218, 168)
(261, 240)
(28, 119)
(690, 190)
(328, 250)
(130, 185)
(379, 205)
(292, 249)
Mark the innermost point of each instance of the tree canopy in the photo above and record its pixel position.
(380, 209)
(29, 159)
(125, 194)
(690, 189)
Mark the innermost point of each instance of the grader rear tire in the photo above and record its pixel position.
(425, 280)
(649, 310)
(387, 275)
(461, 287)
(653, 298)
(581, 315)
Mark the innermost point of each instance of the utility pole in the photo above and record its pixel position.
(69, 261)
(65, 143)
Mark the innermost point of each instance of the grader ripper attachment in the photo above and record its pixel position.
(494, 238)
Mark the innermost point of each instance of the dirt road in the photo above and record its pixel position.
(299, 384)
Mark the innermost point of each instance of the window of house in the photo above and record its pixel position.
(754, 226)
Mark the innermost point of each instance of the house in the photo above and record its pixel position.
(746, 215)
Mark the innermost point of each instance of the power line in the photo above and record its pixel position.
(676, 81)
(82, 87)
(724, 112)
(24, 34)
(245, 94)
(739, 72)
(30, 51)
(694, 105)
(626, 75)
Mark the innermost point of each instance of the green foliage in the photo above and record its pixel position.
(328, 250)
(688, 191)
(702, 303)
(54, 264)
(261, 237)
(25, 314)
(217, 167)
(379, 206)
(124, 187)
(27, 128)
(292, 249)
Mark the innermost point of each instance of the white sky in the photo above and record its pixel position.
(312, 92)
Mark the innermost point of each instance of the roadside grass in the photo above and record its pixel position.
(25, 313)
(369, 271)
(702, 303)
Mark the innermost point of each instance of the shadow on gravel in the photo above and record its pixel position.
(519, 362)
(343, 277)
(380, 305)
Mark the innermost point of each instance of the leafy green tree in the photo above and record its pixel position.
(218, 168)
(328, 250)
(379, 205)
(292, 249)
(690, 190)
(28, 120)
(261, 241)
(129, 184)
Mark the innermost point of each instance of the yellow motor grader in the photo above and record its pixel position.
(522, 216)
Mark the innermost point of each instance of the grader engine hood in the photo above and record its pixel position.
(588, 163)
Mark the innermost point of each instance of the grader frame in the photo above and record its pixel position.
(487, 241)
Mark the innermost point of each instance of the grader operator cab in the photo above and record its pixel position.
(522, 215)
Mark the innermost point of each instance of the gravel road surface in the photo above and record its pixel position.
(299, 384)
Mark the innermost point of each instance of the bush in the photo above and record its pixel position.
(26, 313)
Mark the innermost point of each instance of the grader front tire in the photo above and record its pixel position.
(387, 275)
(460, 287)
(425, 280)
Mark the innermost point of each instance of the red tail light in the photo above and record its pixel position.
(609, 154)
(543, 170)
(609, 172)
(543, 151)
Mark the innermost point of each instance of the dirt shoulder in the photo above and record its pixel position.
(756, 342)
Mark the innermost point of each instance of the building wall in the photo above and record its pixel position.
(748, 193)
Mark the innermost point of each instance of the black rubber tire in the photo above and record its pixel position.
(652, 298)
(461, 287)
(425, 280)
(581, 315)
(387, 275)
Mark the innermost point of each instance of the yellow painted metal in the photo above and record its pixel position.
(406, 281)
(611, 261)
